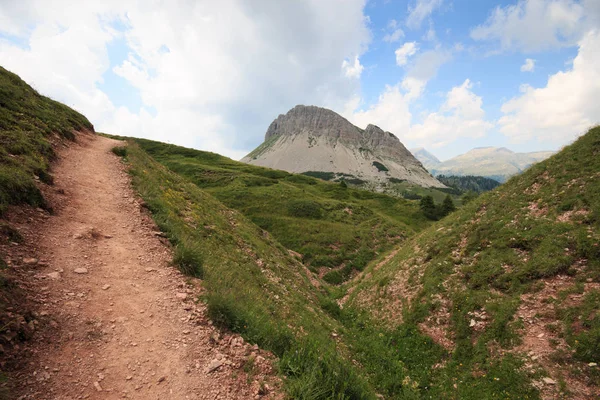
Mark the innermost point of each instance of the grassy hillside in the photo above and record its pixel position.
(337, 230)
(514, 273)
(29, 124)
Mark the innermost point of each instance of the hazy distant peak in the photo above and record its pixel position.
(428, 160)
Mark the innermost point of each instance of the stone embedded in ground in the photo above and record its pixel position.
(181, 296)
(214, 365)
(54, 275)
(549, 381)
(30, 261)
(80, 270)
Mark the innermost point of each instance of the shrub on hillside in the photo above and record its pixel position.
(380, 167)
(305, 209)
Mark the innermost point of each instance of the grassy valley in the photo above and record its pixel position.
(336, 229)
(256, 288)
(443, 309)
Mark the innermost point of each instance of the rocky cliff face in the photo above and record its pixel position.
(310, 138)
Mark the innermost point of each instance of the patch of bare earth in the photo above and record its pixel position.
(536, 211)
(570, 215)
(387, 258)
(114, 319)
(437, 324)
(387, 300)
(541, 341)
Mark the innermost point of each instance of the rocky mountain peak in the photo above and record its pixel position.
(309, 138)
(320, 121)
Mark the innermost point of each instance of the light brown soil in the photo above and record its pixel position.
(128, 326)
(540, 343)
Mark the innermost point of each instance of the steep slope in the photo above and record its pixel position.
(310, 138)
(428, 160)
(514, 273)
(30, 125)
(497, 163)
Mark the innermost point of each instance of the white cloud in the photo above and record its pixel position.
(352, 70)
(425, 65)
(566, 107)
(214, 73)
(393, 37)
(461, 115)
(421, 10)
(403, 53)
(529, 65)
(535, 25)
(391, 112)
(64, 63)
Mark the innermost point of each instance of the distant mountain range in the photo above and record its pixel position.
(317, 140)
(497, 163)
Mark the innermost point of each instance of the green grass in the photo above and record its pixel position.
(330, 224)
(483, 257)
(29, 124)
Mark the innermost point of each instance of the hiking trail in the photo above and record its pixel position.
(117, 319)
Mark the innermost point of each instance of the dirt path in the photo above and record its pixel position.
(123, 322)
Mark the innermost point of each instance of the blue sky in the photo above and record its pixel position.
(448, 75)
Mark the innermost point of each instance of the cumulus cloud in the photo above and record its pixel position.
(214, 74)
(354, 69)
(461, 116)
(535, 25)
(421, 10)
(391, 112)
(565, 107)
(529, 65)
(405, 51)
